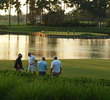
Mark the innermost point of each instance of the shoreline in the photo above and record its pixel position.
(57, 36)
(77, 37)
(71, 36)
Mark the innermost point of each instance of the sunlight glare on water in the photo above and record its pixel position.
(11, 45)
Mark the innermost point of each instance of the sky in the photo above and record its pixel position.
(23, 8)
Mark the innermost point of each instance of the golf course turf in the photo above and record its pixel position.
(81, 79)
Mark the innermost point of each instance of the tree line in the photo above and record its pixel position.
(51, 12)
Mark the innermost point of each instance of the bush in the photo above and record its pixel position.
(3, 27)
(88, 25)
(108, 23)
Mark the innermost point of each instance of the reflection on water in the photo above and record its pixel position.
(11, 45)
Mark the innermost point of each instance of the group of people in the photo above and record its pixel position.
(55, 69)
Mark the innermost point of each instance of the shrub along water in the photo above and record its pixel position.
(16, 86)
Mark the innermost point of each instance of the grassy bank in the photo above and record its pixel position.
(80, 80)
(94, 69)
(51, 30)
(20, 86)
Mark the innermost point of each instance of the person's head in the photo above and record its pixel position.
(20, 55)
(29, 54)
(55, 57)
(43, 58)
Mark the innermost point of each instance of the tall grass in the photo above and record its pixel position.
(91, 83)
(23, 86)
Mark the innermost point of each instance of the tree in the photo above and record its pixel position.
(54, 10)
(2, 4)
(41, 5)
(99, 8)
(95, 8)
(54, 5)
(7, 6)
(27, 6)
(18, 10)
(56, 18)
(32, 12)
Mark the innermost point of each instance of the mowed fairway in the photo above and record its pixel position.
(72, 68)
(96, 69)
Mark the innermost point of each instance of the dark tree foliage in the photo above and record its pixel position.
(54, 18)
(18, 9)
(96, 9)
(93, 10)
(32, 12)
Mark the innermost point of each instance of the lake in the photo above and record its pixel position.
(11, 45)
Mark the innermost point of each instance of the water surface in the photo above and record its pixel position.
(11, 45)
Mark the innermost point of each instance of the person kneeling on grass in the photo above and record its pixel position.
(18, 63)
(42, 67)
(56, 67)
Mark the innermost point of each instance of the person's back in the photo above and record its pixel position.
(18, 63)
(56, 67)
(42, 66)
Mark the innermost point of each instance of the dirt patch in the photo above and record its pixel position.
(39, 34)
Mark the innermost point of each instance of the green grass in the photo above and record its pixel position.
(80, 80)
(73, 33)
(51, 30)
(95, 69)
(16, 86)
(60, 30)
(6, 22)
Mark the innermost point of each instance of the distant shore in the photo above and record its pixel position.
(58, 32)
